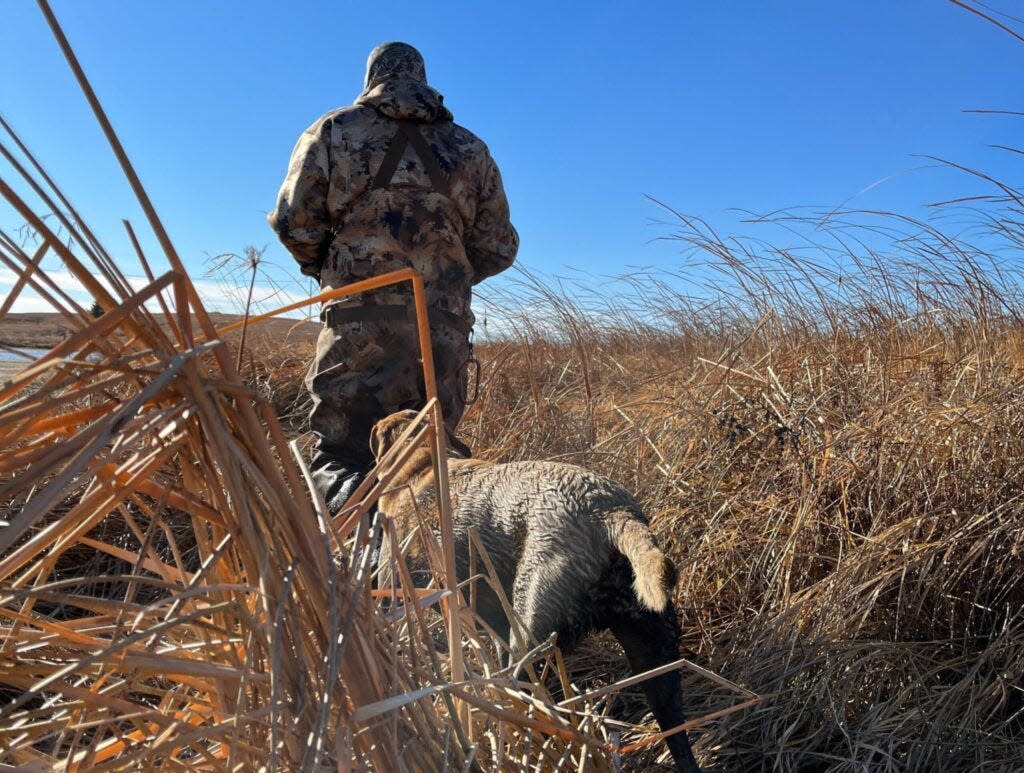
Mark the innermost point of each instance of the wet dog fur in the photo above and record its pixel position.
(573, 553)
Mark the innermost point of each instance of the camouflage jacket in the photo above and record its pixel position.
(341, 229)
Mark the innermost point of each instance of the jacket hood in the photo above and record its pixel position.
(406, 99)
(394, 60)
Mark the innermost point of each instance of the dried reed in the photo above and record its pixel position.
(171, 596)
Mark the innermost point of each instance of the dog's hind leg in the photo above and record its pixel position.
(550, 596)
(650, 640)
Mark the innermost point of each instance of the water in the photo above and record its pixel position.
(6, 356)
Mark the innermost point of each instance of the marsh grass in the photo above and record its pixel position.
(828, 438)
(830, 443)
(823, 422)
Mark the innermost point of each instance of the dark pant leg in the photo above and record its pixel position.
(361, 372)
(451, 362)
(365, 371)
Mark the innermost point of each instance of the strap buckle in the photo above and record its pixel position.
(472, 368)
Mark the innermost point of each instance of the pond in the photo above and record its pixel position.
(7, 356)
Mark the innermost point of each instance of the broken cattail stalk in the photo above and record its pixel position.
(172, 594)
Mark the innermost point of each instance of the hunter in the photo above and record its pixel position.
(389, 182)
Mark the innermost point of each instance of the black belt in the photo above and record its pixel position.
(375, 312)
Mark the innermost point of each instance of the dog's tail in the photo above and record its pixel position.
(654, 575)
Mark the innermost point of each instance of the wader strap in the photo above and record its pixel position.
(339, 315)
(408, 133)
(390, 163)
(428, 157)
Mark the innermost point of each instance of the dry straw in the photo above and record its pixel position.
(172, 596)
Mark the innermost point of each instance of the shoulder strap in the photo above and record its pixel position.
(408, 133)
(390, 163)
(427, 156)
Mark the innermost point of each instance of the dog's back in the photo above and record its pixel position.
(573, 553)
(554, 530)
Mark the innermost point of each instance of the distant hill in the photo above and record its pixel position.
(44, 331)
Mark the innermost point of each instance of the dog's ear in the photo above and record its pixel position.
(386, 431)
(381, 437)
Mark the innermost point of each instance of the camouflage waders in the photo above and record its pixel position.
(366, 370)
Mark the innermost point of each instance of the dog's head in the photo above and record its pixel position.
(387, 431)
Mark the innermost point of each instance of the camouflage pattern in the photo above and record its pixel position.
(341, 229)
(364, 371)
(390, 61)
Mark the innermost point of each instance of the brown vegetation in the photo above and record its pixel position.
(34, 331)
(45, 330)
(829, 442)
(832, 448)
(172, 596)
(837, 466)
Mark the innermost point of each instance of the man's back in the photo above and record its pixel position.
(336, 212)
(390, 182)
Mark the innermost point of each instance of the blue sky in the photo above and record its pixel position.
(588, 108)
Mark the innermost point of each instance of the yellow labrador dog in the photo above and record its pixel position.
(572, 550)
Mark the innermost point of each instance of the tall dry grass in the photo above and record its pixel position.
(827, 437)
(823, 419)
(172, 597)
(830, 440)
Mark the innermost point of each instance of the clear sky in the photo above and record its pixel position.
(587, 107)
